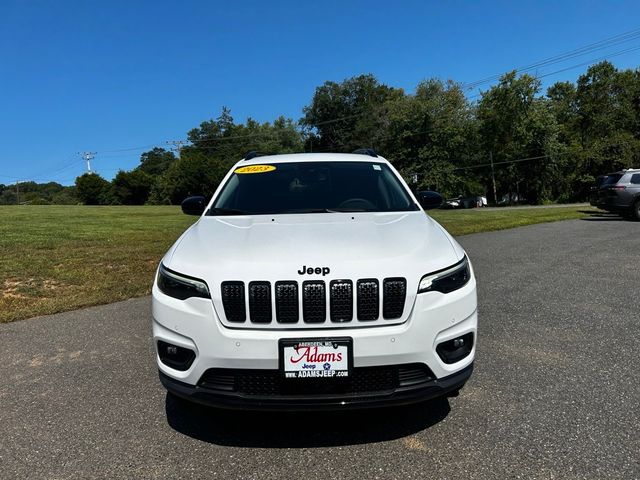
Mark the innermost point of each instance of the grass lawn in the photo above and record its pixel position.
(56, 258)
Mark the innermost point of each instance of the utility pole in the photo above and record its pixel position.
(88, 156)
(177, 145)
(17, 192)
(493, 179)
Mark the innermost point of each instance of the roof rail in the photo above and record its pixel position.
(366, 151)
(252, 154)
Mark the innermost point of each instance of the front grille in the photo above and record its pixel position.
(395, 291)
(343, 307)
(287, 302)
(260, 302)
(270, 383)
(314, 303)
(341, 300)
(233, 301)
(368, 299)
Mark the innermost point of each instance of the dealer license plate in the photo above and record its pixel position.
(316, 358)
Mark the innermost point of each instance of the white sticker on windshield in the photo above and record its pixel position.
(377, 167)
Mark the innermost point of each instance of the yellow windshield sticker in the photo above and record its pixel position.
(255, 169)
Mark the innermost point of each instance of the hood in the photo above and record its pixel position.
(277, 247)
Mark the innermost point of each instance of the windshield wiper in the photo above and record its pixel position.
(232, 211)
(325, 210)
(307, 210)
(226, 211)
(347, 210)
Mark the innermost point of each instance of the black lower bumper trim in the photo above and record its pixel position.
(613, 208)
(400, 396)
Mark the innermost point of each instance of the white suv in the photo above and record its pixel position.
(314, 281)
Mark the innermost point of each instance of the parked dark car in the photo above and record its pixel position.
(593, 192)
(620, 193)
(465, 202)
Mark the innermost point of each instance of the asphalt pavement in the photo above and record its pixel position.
(555, 393)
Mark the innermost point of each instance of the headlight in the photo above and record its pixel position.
(180, 286)
(446, 280)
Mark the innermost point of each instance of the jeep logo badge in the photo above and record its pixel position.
(311, 270)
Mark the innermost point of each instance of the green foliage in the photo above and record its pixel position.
(192, 174)
(67, 196)
(544, 148)
(430, 134)
(92, 189)
(131, 188)
(156, 161)
(37, 194)
(345, 116)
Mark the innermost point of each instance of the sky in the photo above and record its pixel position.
(120, 77)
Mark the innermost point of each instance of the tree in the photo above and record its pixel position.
(563, 104)
(156, 161)
(132, 188)
(224, 140)
(608, 108)
(515, 124)
(215, 146)
(345, 116)
(544, 148)
(431, 135)
(92, 189)
(192, 174)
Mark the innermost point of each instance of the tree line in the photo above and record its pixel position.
(513, 139)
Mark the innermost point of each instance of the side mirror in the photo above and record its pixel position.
(194, 205)
(430, 200)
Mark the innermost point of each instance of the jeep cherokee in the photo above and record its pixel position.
(314, 281)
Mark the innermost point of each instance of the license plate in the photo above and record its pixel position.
(316, 358)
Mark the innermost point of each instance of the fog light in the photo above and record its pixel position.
(454, 350)
(178, 358)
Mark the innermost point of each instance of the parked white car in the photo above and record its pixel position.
(314, 281)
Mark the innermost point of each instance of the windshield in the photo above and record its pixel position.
(312, 187)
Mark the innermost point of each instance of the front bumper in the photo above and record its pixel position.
(434, 318)
(399, 396)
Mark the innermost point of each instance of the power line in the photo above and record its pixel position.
(602, 44)
(517, 160)
(615, 54)
(73, 163)
(582, 64)
(129, 149)
(605, 43)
